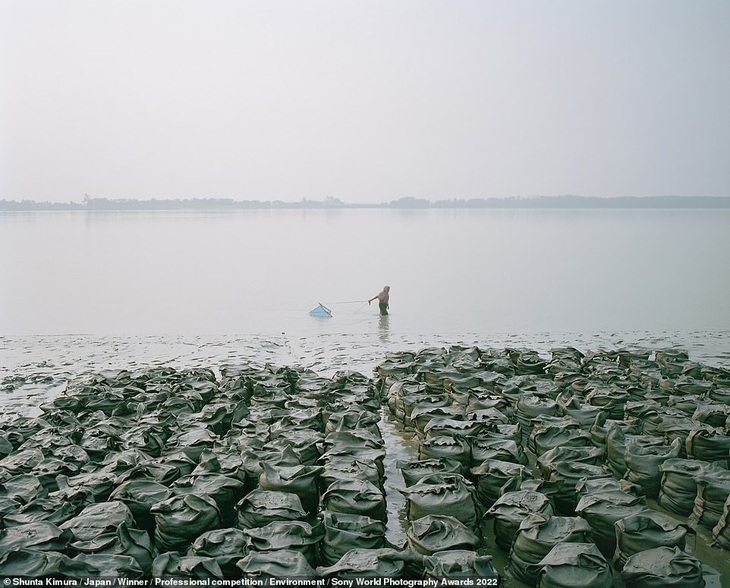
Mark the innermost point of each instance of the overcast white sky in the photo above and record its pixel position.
(366, 101)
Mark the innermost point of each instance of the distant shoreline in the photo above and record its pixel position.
(534, 202)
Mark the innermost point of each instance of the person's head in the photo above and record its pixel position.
(386, 288)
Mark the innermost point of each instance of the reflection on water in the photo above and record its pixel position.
(383, 327)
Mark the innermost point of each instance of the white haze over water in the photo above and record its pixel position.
(363, 101)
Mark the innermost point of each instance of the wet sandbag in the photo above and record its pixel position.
(579, 565)
(219, 543)
(459, 563)
(450, 427)
(98, 484)
(708, 444)
(355, 497)
(226, 491)
(413, 471)
(536, 535)
(590, 455)
(713, 489)
(443, 447)
(299, 480)
(125, 541)
(562, 483)
(643, 463)
(499, 449)
(36, 537)
(603, 509)
(494, 477)
(721, 531)
(182, 518)
(532, 406)
(21, 462)
(98, 519)
(447, 494)
(340, 469)
(646, 530)
(283, 563)
(42, 509)
(679, 484)
(24, 488)
(174, 565)
(291, 535)
(347, 420)
(662, 567)
(106, 566)
(367, 563)
(30, 563)
(261, 507)
(511, 509)
(434, 533)
(140, 494)
(343, 532)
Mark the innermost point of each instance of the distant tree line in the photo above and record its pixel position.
(534, 202)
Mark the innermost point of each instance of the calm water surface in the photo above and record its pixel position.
(260, 272)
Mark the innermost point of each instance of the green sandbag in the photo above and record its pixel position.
(180, 519)
(97, 519)
(39, 536)
(368, 563)
(536, 536)
(30, 563)
(446, 494)
(434, 533)
(140, 494)
(300, 480)
(647, 530)
(219, 542)
(355, 497)
(457, 563)
(511, 509)
(603, 509)
(413, 471)
(283, 563)
(174, 565)
(290, 535)
(124, 541)
(107, 566)
(343, 532)
(662, 567)
(260, 507)
(575, 565)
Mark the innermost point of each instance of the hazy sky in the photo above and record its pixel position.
(366, 101)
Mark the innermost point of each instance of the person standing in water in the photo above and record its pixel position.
(383, 300)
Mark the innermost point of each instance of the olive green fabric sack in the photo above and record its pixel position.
(647, 530)
(39, 536)
(40, 564)
(575, 565)
(180, 519)
(446, 494)
(457, 563)
(289, 535)
(355, 497)
(343, 532)
(99, 519)
(282, 563)
(174, 565)
(536, 535)
(368, 563)
(662, 567)
(434, 533)
(511, 509)
(261, 507)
